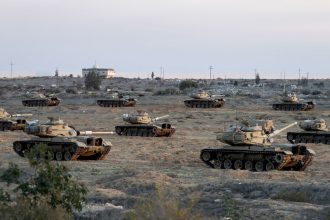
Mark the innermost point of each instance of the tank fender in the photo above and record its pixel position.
(107, 143)
(311, 151)
(286, 152)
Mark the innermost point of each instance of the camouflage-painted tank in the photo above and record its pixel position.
(202, 99)
(290, 102)
(141, 124)
(38, 99)
(12, 122)
(63, 142)
(315, 131)
(251, 148)
(117, 100)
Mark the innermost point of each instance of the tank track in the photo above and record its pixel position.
(40, 102)
(199, 103)
(293, 106)
(257, 160)
(145, 130)
(60, 150)
(5, 125)
(116, 103)
(309, 137)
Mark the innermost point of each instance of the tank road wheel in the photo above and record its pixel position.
(269, 166)
(248, 165)
(217, 164)
(227, 164)
(238, 165)
(259, 166)
(279, 158)
(49, 155)
(18, 147)
(67, 156)
(58, 156)
(290, 138)
(206, 156)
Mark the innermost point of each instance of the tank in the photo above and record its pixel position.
(63, 142)
(12, 122)
(290, 102)
(314, 131)
(117, 100)
(250, 148)
(202, 99)
(38, 99)
(141, 124)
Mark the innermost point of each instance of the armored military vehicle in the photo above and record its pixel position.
(315, 131)
(12, 122)
(290, 102)
(38, 99)
(141, 124)
(202, 99)
(63, 142)
(251, 148)
(117, 100)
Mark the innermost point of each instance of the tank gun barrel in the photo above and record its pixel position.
(158, 118)
(95, 132)
(276, 132)
(22, 115)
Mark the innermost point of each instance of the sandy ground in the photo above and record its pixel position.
(136, 165)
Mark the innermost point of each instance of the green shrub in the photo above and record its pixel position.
(186, 84)
(92, 81)
(49, 192)
(164, 204)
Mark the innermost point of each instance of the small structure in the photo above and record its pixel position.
(106, 73)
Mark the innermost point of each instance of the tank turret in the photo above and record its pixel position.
(200, 95)
(62, 141)
(248, 135)
(55, 127)
(313, 125)
(141, 118)
(290, 97)
(142, 124)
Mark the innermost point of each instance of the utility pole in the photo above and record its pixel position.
(56, 75)
(211, 68)
(11, 69)
(161, 72)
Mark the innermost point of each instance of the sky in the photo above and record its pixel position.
(184, 37)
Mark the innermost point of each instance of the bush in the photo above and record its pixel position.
(186, 84)
(316, 92)
(305, 91)
(164, 204)
(92, 81)
(168, 91)
(71, 91)
(49, 192)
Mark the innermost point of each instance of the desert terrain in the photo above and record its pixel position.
(137, 166)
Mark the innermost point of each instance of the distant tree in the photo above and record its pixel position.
(257, 80)
(235, 83)
(185, 84)
(304, 81)
(92, 81)
(152, 75)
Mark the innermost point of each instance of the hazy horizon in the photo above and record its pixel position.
(183, 37)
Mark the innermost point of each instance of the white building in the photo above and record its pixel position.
(102, 72)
